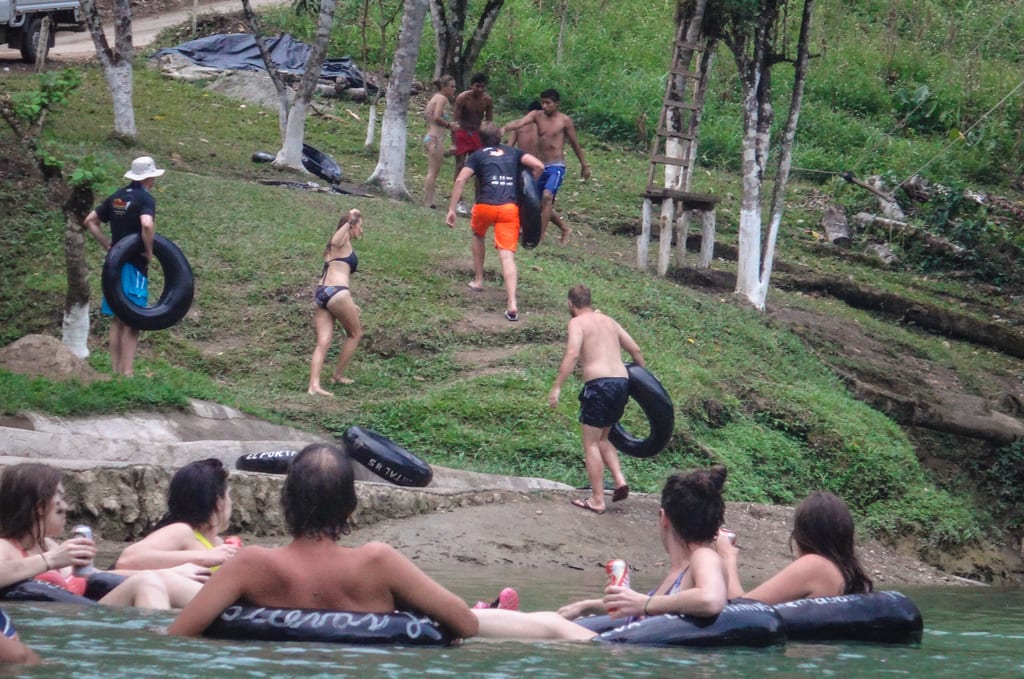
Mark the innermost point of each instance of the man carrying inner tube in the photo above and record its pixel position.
(129, 210)
(597, 341)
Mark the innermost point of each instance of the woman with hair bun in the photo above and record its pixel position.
(690, 516)
(826, 562)
(198, 511)
(334, 302)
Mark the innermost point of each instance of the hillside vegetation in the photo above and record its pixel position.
(440, 371)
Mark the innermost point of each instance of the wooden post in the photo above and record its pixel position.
(644, 239)
(707, 238)
(682, 232)
(42, 46)
(668, 211)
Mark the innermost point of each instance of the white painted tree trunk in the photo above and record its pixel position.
(119, 80)
(757, 253)
(371, 126)
(389, 174)
(75, 329)
(749, 251)
(116, 62)
(290, 153)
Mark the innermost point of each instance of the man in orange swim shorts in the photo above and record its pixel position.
(496, 167)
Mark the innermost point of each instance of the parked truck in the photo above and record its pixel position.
(21, 23)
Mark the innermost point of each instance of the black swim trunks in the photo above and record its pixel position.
(602, 401)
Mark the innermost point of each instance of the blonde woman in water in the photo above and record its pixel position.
(333, 300)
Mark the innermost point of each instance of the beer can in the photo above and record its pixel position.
(618, 572)
(235, 540)
(729, 534)
(82, 531)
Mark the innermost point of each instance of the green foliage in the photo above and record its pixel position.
(55, 87)
(91, 170)
(1001, 477)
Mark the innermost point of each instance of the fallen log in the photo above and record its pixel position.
(986, 425)
(943, 321)
(837, 231)
(935, 243)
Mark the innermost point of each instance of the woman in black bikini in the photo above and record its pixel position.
(333, 301)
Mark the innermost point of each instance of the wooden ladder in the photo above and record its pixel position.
(674, 150)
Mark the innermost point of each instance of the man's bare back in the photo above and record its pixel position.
(602, 340)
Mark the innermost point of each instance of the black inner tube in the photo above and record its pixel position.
(385, 458)
(179, 284)
(646, 390)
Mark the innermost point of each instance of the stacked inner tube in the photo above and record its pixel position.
(269, 462)
(376, 452)
(179, 284)
(386, 459)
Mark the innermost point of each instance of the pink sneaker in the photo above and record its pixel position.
(481, 604)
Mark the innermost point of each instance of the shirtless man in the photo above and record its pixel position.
(526, 139)
(313, 570)
(554, 128)
(597, 341)
(472, 108)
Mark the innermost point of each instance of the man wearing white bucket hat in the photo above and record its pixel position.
(128, 210)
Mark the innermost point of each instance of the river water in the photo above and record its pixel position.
(969, 632)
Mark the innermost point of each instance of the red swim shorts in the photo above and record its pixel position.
(506, 223)
(466, 141)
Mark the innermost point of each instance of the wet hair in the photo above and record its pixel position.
(579, 296)
(490, 134)
(693, 503)
(534, 106)
(551, 94)
(478, 78)
(24, 490)
(823, 525)
(444, 81)
(353, 216)
(194, 492)
(319, 493)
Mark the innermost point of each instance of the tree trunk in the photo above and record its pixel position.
(290, 154)
(117, 62)
(389, 174)
(75, 326)
(293, 110)
(786, 151)
(43, 44)
(456, 55)
(756, 51)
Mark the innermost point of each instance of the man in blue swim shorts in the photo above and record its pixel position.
(597, 341)
(554, 128)
(128, 211)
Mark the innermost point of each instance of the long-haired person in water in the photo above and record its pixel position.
(826, 561)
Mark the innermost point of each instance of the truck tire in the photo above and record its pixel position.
(30, 38)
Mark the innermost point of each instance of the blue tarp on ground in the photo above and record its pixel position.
(238, 52)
